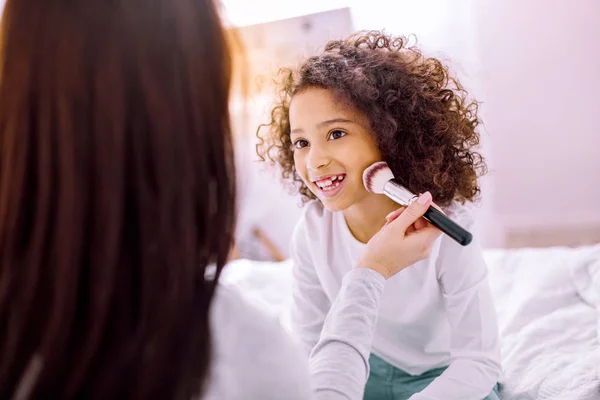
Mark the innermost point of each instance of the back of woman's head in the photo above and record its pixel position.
(116, 191)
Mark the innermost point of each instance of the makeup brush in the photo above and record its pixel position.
(379, 178)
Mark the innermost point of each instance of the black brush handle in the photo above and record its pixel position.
(446, 225)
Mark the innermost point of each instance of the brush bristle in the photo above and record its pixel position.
(376, 176)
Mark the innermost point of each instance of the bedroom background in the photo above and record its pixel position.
(533, 65)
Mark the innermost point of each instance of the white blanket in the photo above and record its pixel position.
(549, 332)
(548, 303)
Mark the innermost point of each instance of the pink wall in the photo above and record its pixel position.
(540, 82)
(535, 65)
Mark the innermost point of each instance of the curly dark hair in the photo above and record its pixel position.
(424, 125)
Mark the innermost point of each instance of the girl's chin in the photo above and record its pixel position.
(335, 204)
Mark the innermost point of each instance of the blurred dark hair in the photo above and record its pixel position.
(116, 193)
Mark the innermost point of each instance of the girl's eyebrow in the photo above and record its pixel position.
(325, 123)
(334, 121)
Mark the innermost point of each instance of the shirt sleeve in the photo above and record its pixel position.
(310, 304)
(254, 358)
(339, 363)
(475, 349)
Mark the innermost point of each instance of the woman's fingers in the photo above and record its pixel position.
(412, 213)
(422, 223)
(419, 223)
(423, 239)
(394, 214)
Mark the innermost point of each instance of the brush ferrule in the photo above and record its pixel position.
(398, 193)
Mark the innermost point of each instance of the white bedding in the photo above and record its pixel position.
(548, 303)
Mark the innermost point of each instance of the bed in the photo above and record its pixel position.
(548, 304)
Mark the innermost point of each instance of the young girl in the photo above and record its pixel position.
(365, 99)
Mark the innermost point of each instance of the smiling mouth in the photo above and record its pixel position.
(330, 183)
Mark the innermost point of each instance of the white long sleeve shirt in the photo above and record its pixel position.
(255, 358)
(438, 312)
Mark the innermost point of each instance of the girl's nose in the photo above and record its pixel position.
(317, 158)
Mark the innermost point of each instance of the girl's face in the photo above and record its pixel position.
(333, 145)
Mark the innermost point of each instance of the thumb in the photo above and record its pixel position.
(413, 212)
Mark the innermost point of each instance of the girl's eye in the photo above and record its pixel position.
(300, 143)
(337, 134)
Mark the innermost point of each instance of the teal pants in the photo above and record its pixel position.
(387, 382)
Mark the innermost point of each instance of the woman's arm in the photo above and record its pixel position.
(339, 364)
